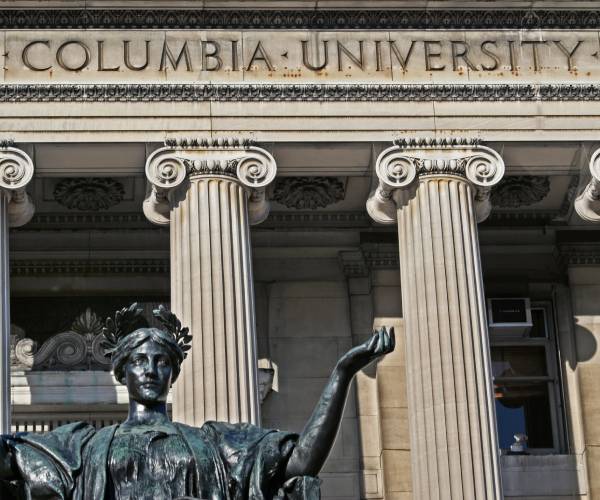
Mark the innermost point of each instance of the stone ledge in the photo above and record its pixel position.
(531, 475)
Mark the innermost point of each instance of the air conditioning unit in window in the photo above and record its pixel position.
(509, 317)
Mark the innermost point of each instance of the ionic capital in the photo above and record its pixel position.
(16, 170)
(169, 167)
(399, 168)
(587, 204)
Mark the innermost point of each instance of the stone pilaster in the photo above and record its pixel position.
(437, 191)
(16, 209)
(210, 194)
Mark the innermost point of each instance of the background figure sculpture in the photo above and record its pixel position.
(149, 457)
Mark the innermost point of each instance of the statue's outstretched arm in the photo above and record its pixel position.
(316, 440)
(8, 467)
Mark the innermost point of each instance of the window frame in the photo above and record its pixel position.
(553, 378)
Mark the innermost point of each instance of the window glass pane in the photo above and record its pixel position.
(524, 408)
(538, 318)
(527, 361)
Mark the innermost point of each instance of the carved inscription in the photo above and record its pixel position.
(340, 56)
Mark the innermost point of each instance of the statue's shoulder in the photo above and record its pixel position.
(74, 430)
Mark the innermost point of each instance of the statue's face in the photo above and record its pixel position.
(148, 373)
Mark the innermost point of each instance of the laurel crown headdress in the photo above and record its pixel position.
(130, 319)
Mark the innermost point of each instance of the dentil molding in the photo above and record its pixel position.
(399, 168)
(168, 168)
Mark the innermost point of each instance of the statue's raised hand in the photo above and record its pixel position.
(381, 343)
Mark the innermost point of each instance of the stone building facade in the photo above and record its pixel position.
(290, 175)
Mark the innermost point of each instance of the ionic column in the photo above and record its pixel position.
(16, 209)
(210, 194)
(437, 191)
(587, 204)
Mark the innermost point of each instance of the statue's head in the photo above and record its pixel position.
(146, 360)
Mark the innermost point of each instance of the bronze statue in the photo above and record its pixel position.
(148, 457)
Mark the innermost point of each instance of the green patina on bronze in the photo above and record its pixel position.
(148, 457)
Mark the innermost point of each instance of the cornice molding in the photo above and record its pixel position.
(154, 18)
(313, 219)
(75, 267)
(200, 92)
(580, 255)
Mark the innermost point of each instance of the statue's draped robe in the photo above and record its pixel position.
(232, 462)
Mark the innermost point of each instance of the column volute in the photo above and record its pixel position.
(401, 166)
(168, 168)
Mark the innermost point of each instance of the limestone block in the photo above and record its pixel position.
(396, 495)
(593, 469)
(361, 313)
(387, 301)
(394, 429)
(371, 484)
(294, 355)
(370, 438)
(585, 304)
(367, 402)
(397, 471)
(392, 386)
(275, 64)
(350, 440)
(587, 337)
(589, 374)
(275, 269)
(538, 475)
(309, 309)
(340, 485)
(296, 398)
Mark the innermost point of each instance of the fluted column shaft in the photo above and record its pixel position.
(211, 290)
(210, 195)
(16, 209)
(454, 449)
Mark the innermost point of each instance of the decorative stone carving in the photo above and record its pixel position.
(299, 19)
(89, 194)
(400, 166)
(168, 167)
(76, 349)
(308, 192)
(353, 264)
(265, 382)
(587, 204)
(393, 92)
(16, 170)
(520, 191)
(104, 267)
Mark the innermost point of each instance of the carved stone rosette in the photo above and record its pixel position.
(168, 168)
(401, 166)
(16, 170)
(587, 204)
